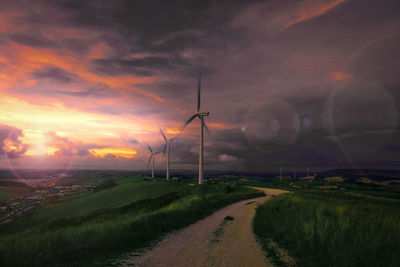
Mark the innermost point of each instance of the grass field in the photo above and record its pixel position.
(130, 190)
(351, 225)
(5, 194)
(88, 230)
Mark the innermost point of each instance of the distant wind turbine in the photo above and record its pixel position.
(167, 145)
(201, 116)
(152, 158)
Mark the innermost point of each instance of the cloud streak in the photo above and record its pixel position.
(285, 81)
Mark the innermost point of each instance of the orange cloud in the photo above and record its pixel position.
(20, 61)
(314, 9)
(6, 24)
(279, 18)
(77, 34)
(74, 127)
(340, 76)
(55, 128)
(119, 152)
(11, 143)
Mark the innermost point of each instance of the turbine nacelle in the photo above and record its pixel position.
(151, 159)
(202, 114)
(168, 143)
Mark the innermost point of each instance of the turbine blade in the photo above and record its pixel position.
(148, 162)
(185, 124)
(198, 93)
(165, 147)
(165, 138)
(206, 128)
(189, 120)
(150, 148)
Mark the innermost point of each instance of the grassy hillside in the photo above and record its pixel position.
(87, 230)
(12, 189)
(5, 193)
(130, 190)
(342, 226)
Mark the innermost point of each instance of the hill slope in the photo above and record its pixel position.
(126, 217)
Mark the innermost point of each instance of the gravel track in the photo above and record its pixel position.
(213, 241)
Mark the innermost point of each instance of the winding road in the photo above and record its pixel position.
(217, 240)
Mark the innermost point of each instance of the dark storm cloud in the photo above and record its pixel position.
(133, 141)
(142, 67)
(233, 138)
(184, 152)
(306, 82)
(33, 39)
(70, 25)
(54, 74)
(147, 110)
(173, 24)
(97, 91)
(73, 84)
(115, 69)
(150, 26)
(156, 62)
(276, 73)
(168, 90)
(226, 146)
(230, 149)
(65, 13)
(80, 47)
(85, 91)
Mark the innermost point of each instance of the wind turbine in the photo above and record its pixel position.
(201, 116)
(152, 158)
(167, 145)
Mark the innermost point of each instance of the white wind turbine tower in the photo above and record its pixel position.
(167, 145)
(152, 158)
(201, 116)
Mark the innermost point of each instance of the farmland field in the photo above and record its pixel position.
(5, 193)
(91, 228)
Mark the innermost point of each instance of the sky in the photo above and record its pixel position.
(295, 84)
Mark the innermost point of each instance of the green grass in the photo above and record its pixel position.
(89, 230)
(128, 180)
(5, 194)
(358, 226)
(129, 190)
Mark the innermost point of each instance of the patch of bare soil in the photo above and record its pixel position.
(223, 239)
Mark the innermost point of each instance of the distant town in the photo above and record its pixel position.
(41, 187)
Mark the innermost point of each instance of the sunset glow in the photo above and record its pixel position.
(84, 83)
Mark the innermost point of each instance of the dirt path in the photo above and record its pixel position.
(214, 241)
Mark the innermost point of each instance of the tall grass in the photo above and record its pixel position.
(90, 238)
(331, 228)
